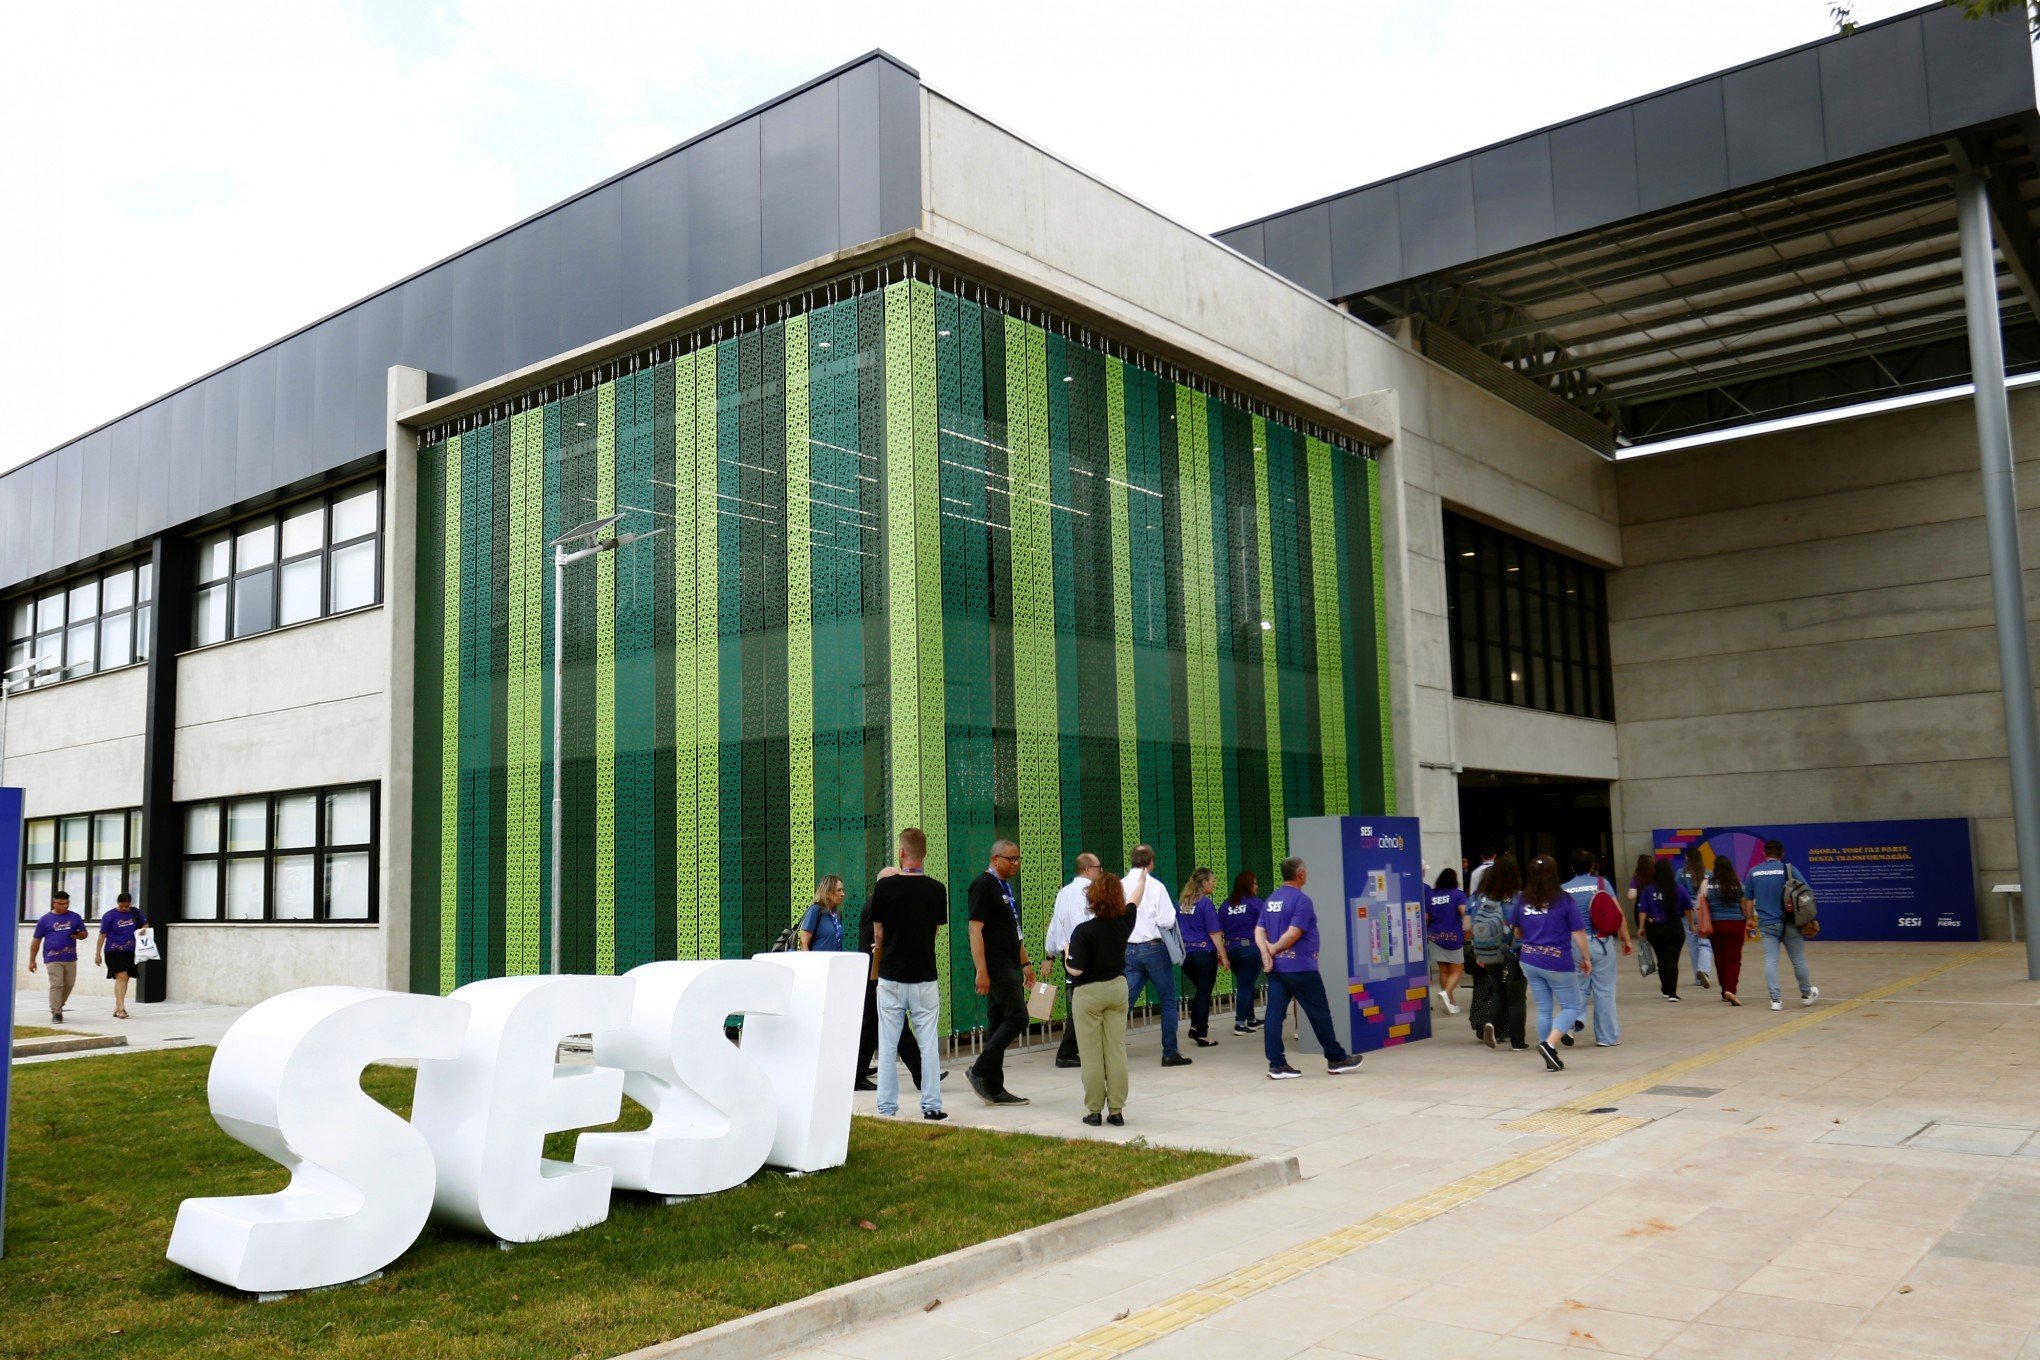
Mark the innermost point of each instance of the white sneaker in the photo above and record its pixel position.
(1810, 997)
(1450, 1009)
(1777, 1005)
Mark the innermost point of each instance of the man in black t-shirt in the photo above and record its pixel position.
(906, 910)
(1004, 974)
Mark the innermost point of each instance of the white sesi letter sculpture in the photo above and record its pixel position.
(286, 1081)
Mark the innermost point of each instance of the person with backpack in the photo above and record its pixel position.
(1663, 906)
(1445, 929)
(1551, 940)
(1693, 877)
(821, 925)
(1776, 889)
(1607, 927)
(1499, 988)
(1721, 908)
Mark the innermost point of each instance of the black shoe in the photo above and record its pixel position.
(1578, 1025)
(1116, 1119)
(977, 1084)
(1487, 1035)
(1242, 1029)
(1203, 1042)
(1069, 1062)
(1094, 1120)
(1175, 1060)
(1552, 1062)
(1256, 1024)
(866, 1084)
(1008, 1098)
(1349, 1063)
(934, 1114)
(1518, 1048)
(1565, 1039)
(56, 1017)
(1282, 1072)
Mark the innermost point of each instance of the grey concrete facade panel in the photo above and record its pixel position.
(1772, 118)
(676, 229)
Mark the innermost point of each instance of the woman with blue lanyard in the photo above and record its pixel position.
(821, 927)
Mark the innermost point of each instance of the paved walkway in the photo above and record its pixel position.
(1857, 1181)
(164, 1024)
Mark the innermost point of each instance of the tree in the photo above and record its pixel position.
(1843, 12)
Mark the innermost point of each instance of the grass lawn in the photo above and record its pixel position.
(104, 1150)
(39, 1032)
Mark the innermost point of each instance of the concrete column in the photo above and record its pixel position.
(400, 614)
(2001, 521)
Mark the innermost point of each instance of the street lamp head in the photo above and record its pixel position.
(582, 533)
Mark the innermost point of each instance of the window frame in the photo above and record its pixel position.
(275, 518)
(134, 617)
(1527, 625)
(128, 862)
(320, 851)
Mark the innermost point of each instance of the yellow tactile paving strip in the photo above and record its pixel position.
(1577, 1128)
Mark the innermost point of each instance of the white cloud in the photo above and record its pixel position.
(189, 183)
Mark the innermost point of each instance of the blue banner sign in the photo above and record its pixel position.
(1911, 880)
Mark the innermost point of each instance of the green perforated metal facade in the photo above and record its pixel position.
(922, 561)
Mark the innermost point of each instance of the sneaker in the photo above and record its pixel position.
(1008, 1098)
(1578, 1026)
(56, 1017)
(1777, 1005)
(1242, 1029)
(935, 1114)
(1116, 1120)
(1175, 1060)
(1094, 1120)
(1487, 1035)
(1450, 1009)
(1810, 997)
(1600, 1044)
(1282, 1072)
(1671, 998)
(1552, 1062)
(1518, 1048)
(1349, 1063)
(1069, 1062)
(977, 1084)
(865, 1084)
(1701, 979)
(1256, 1024)
(1566, 1039)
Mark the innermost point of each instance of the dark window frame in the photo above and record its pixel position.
(320, 850)
(1528, 626)
(60, 867)
(235, 575)
(18, 645)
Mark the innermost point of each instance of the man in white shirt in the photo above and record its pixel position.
(1147, 956)
(1072, 909)
(1480, 871)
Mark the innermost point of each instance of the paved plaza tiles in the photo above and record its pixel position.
(1855, 1181)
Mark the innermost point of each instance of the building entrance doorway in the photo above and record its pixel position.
(1528, 814)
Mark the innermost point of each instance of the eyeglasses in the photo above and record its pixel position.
(1014, 858)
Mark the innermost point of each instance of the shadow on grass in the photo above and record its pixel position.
(104, 1151)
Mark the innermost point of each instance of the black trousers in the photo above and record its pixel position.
(867, 1039)
(1201, 967)
(1666, 939)
(1500, 997)
(1005, 1021)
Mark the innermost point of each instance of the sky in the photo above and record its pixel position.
(190, 182)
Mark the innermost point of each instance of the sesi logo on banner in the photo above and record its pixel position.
(286, 1081)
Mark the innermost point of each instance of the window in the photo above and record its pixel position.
(304, 855)
(94, 856)
(92, 623)
(1529, 626)
(312, 559)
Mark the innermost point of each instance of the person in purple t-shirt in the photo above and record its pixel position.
(1445, 927)
(1203, 949)
(1237, 917)
(1663, 906)
(56, 940)
(1288, 939)
(115, 948)
(1552, 944)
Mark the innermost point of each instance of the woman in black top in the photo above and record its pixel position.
(1097, 955)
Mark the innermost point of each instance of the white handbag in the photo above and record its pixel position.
(146, 950)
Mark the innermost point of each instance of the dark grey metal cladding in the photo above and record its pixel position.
(1926, 74)
(829, 166)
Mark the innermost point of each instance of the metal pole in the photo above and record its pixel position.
(2001, 520)
(559, 660)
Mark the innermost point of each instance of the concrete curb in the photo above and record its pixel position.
(911, 1288)
(83, 1043)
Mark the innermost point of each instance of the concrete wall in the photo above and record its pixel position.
(240, 964)
(77, 746)
(1823, 653)
(1444, 440)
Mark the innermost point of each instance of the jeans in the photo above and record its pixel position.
(1795, 945)
(1098, 1016)
(1308, 991)
(1601, 989)
(920, 1003)
(1201, 968)
(1147, 963)
(867, 1037)
(1246, 971)
(1005, 1021)
(1557, 999)
(1702, 950)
